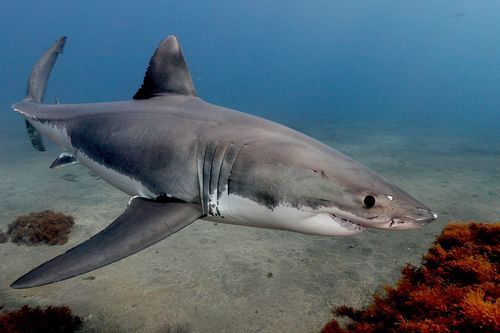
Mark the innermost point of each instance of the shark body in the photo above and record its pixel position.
(182, 159)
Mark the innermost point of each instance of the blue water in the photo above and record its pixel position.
(412, 63)
(411, 88)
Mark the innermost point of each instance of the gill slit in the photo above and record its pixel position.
(224, 155)
(212, 167)
(201, 165)
(232, 165)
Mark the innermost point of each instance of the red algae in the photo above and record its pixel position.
(456, 289)
(41, 227)
(36, 320)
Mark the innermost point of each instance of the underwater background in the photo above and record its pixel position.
(410, 89)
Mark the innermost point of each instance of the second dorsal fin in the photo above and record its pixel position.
(167, 72)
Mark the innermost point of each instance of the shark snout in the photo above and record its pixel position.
(415, 219)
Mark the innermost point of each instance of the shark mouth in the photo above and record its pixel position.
(421, 218)
(347, 223)
(363, 223)
(375, 221)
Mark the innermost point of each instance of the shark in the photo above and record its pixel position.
(182, 159)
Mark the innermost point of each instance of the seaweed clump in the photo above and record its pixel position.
(456, 289)
(54, 319)
(41, 227)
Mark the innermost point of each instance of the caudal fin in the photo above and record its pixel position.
(38, 83)
(41, 72)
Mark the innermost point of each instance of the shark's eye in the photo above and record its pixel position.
(369, 201)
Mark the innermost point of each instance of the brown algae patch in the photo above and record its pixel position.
(50, 319)
(47, 227)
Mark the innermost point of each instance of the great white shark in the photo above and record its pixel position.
(182, 159)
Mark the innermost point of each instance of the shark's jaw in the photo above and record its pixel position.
(414, 219)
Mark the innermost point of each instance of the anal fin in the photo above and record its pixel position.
(144, 223)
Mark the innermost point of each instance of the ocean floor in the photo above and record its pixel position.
(223, 278)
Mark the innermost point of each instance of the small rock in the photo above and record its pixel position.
(269, 275)
(3, 237)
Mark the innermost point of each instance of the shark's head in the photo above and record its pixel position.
(350, 192)
(366, 199)
(320, 181)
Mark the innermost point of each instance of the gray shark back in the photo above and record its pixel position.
(151, 140)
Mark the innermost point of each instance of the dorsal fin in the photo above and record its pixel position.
(167, 72)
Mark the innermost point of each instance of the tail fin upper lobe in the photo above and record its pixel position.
(38, 83)
(41, 72)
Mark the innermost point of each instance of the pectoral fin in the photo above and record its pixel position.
(64, 159)
(143, 223)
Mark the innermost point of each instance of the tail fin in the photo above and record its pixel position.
(37, 85)
(41, 72)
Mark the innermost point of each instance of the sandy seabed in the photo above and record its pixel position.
(223, 278)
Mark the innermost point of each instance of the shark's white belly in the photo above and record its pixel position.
(234, 209)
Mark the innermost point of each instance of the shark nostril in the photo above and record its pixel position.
(426, 214)
(395, 221)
